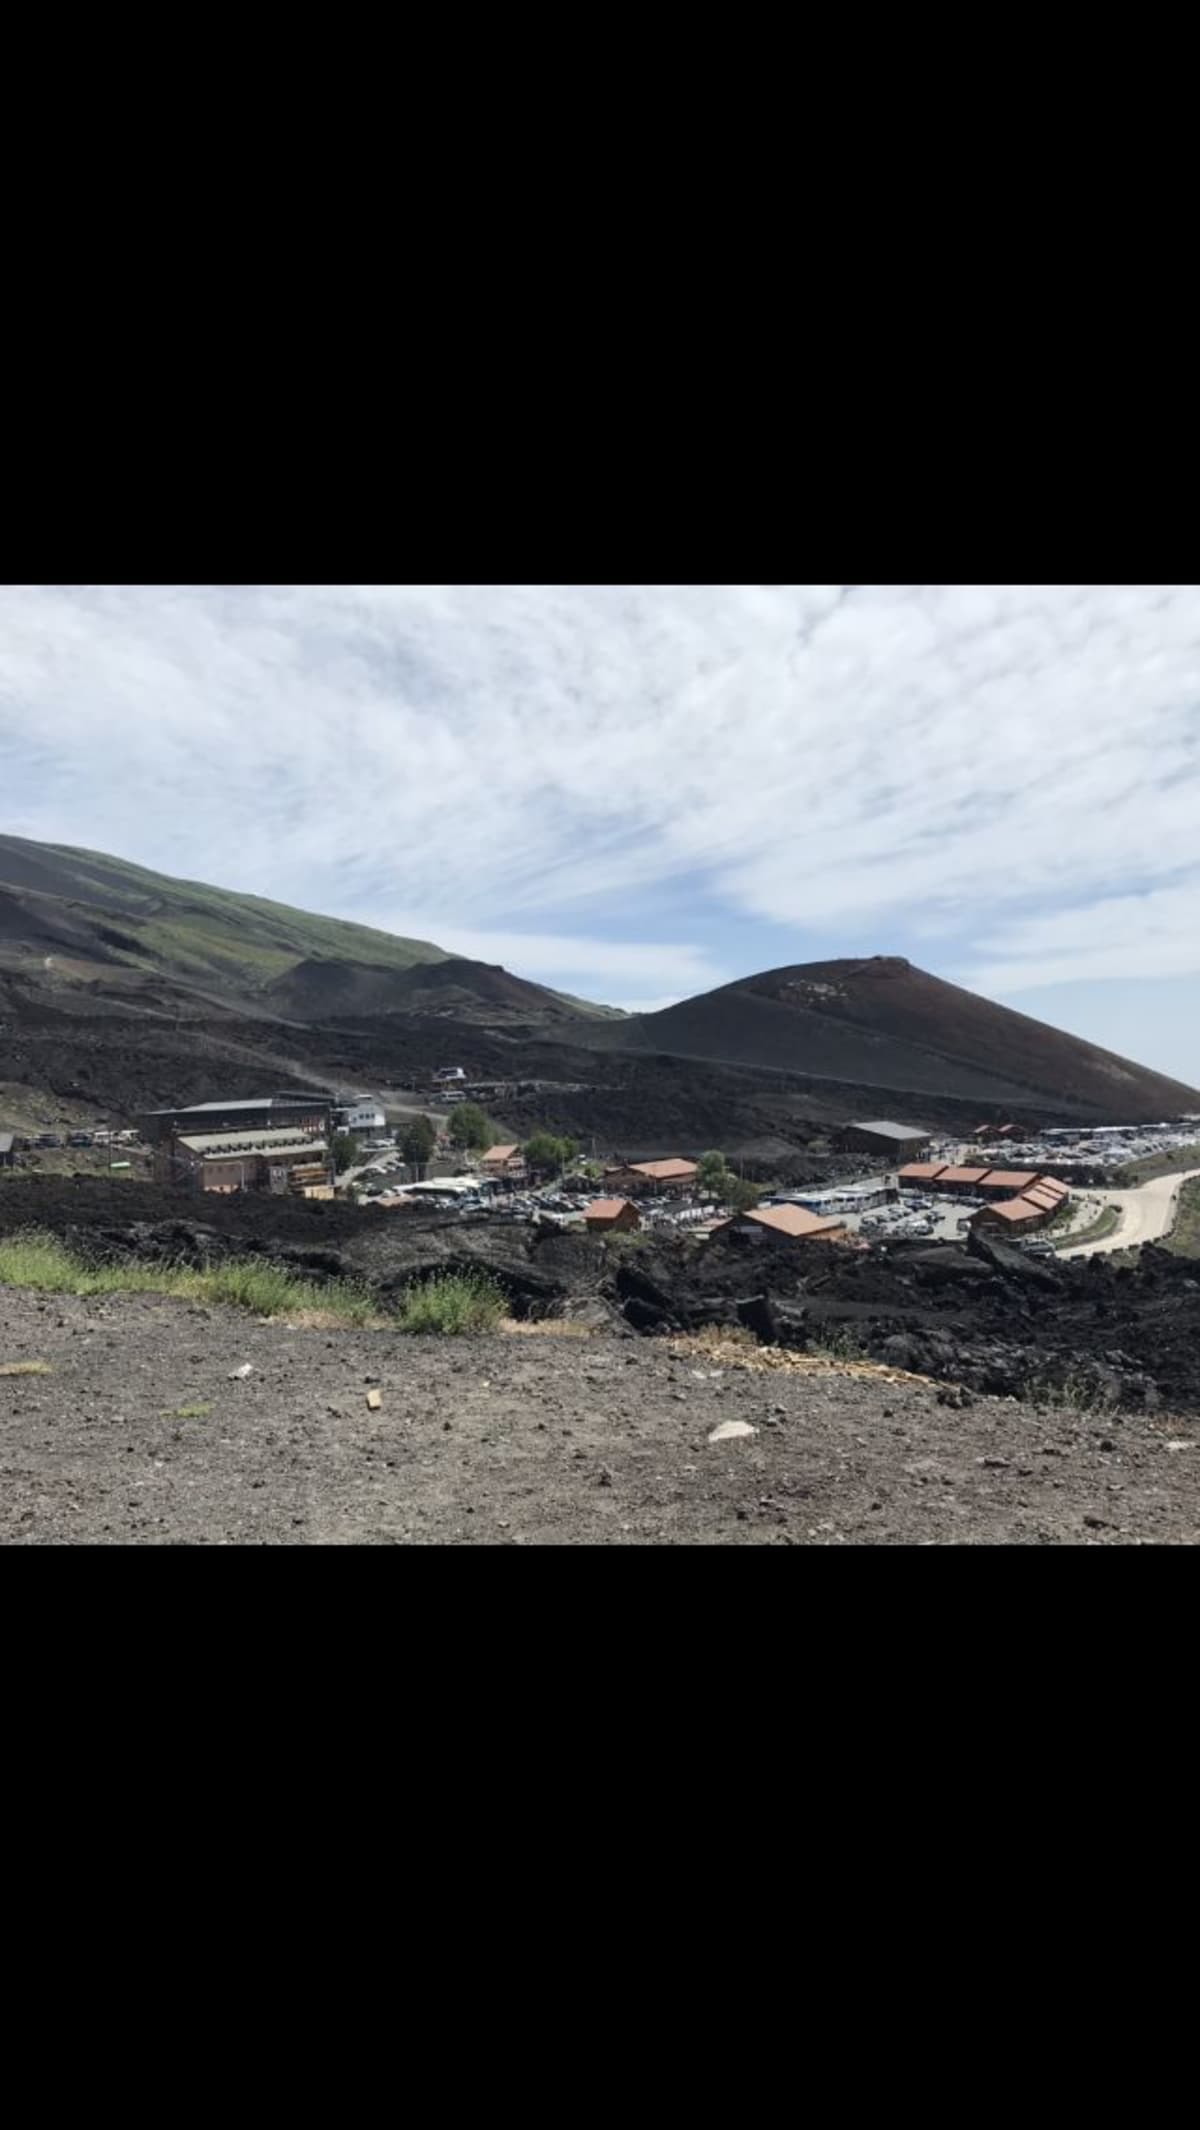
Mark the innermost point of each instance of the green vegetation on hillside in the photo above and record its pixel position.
(38, 1260)
(199, 930)
(469, 1128)
(1184, 1237)
(546, 1153)
(1139, 1172)
(1105, 1223)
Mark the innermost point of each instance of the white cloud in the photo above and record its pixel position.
(948, 761)
(1152, 935)
(589, 964)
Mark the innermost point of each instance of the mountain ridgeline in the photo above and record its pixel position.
(122, 985)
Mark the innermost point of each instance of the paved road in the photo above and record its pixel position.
(1146, 1214)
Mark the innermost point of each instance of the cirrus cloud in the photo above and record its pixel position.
(1010, 773)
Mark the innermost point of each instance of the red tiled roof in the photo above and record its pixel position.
(1011, 1179)
(789, 1220)
(958, 1175)
(500, 1153)
(663, 1171)
(606, 1208)
(1016, 1210)
(919, 1171)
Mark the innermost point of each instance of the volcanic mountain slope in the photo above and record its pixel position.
(455, 989)
(90, 908)
(882, 1023)
(72, 918)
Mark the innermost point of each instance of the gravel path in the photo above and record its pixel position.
(529, 1439)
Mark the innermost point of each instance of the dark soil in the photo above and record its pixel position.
(881, 1022)
(984, 1316)
(516, 1440)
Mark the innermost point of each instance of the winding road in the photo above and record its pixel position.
(1146, 1214)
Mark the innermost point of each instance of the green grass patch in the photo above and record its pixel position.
(34, 1259)
(1184, 1237)
(1107, 1224)
(269, 1290)
(837, 1343)
(452, 1304)
(188, 1412)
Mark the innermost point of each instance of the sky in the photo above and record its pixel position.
(637, 792)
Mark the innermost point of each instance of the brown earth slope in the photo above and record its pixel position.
(884, 1023)
(135, 1430)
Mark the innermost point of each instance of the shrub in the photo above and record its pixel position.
(451, 1304)
(469, 1128)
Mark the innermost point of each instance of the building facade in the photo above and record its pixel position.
(611, 1213)
(301, 1116)
(640, 1179)
(504, 1164)
(359, 1117)
(994, 1185)
(1027, 1212)
(277, 1161)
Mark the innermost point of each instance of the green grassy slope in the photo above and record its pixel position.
(61, 902)
(193, 930)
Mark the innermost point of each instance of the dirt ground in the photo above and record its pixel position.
(135, 1429)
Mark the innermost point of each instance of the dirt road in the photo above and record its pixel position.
(1146, 1214)
(139, 1431)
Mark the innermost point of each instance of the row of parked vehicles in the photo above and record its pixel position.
(49, 1142)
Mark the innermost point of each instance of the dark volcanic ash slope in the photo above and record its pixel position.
(455, 990)
(882, 1023)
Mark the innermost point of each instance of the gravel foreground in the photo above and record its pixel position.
(523, 1440)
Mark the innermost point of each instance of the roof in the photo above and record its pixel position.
(1015, 1210)
(221, 1109)
(433, 1184)
(959, 1175)
(1038, 1195)
(921, 1171)
(1011, 1179)
(787, 1220)
(663, 1171)
(502, 1153)
(888, 1130)
(244, 1143)
(607, 1208)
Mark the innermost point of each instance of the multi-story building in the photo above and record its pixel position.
(264, 1143)
(278, 1161)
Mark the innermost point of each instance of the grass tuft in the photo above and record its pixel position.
(188, 1412)
(452, 1304)
(25, 1368)
(34, 1259)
